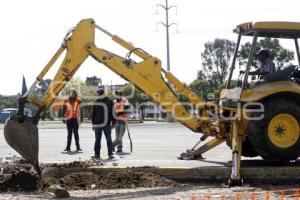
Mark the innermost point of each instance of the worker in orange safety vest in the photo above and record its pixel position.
(71, 113)
(121, 107)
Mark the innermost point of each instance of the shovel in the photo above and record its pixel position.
(131, 147)
(21, 133)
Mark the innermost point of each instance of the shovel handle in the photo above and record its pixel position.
(130, 140)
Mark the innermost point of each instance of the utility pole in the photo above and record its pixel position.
(166, 7)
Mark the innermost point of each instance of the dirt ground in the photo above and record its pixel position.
(19, 176)
(126, 178)
(18, 181)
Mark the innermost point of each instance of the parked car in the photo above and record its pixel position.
(6, 112)
(134, 116)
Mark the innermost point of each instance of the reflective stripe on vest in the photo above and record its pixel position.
(72, 108)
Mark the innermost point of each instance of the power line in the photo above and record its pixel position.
(167, 25)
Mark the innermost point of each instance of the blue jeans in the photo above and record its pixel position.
(120, 127)
(98, 135)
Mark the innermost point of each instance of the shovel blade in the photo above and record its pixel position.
(23, 137)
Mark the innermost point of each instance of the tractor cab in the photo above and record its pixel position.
(266, 111)
(241, 87)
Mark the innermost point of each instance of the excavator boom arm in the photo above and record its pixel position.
(148, 75)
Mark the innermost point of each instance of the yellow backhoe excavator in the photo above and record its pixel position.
(260, 118)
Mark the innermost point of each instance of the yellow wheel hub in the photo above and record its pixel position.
(283, 130)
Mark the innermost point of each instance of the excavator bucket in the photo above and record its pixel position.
(22, 135)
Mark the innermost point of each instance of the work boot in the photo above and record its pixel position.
(78, 149)
(119, 150)
(67, 149)
(111, 157)
(96, 156)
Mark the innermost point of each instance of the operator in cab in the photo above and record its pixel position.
(71, 112)
(267, 65)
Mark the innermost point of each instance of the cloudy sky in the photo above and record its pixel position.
(32, 30)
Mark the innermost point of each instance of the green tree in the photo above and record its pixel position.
(93, 81)
(135, 95)
(9, 101)
(202, 88)
(282, 56)
(201, 75)
(216, 60)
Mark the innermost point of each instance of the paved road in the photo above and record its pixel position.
(155, 144)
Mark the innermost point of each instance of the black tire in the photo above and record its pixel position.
(257, 131)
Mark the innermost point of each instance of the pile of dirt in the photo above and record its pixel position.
(132, 179)
(125, 178)
(20, 181)
(19, 175)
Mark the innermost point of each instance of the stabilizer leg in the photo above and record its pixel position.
(235, 178)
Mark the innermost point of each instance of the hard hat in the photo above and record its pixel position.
(72, 89)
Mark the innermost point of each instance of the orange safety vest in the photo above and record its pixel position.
(119, 110)
(72, 108)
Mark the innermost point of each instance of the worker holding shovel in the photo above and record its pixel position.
(121, 107)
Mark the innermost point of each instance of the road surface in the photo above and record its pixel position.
(154, 144)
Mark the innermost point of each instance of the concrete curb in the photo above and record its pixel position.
(202, 174)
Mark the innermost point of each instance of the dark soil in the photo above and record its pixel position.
(21, 181)
(17, 176)
(20, 177)
(126, 178)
